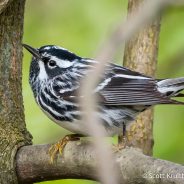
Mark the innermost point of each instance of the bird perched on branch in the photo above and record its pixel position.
(55, 79)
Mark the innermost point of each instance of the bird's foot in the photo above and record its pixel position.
(60, 145)
(118, 147)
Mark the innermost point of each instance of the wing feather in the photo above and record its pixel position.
(121, 86)
(132, 91)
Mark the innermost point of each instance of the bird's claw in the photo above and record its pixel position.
(118, 147)
(60, 145)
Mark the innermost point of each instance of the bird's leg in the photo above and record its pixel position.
(60, 145)
(123, 142)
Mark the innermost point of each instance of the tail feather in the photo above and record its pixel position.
(171, 87)
(179, 95)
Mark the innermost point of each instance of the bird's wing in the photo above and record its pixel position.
(125, 87)
(121, 86)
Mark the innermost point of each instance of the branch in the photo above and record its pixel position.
(141, 55)
(13, 131)
(136, 22)
(79, 161)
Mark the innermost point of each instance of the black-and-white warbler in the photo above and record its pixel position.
(55, 75)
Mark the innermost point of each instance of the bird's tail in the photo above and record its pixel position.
(171, 87)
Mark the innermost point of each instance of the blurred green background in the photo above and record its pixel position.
(81, 26)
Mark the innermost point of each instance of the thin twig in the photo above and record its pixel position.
(146, 13)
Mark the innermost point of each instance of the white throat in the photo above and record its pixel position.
(42, 75)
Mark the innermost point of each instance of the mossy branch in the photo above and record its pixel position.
(79, 162)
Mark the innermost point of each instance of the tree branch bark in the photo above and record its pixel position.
(4, 4)
(13, 133)
(79, 161)
(141, 55)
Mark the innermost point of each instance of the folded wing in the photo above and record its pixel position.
(124, 87)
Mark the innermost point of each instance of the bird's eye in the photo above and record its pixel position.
(52, 64)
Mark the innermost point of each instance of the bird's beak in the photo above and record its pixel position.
(33, 51)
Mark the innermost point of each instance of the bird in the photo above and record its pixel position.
(55, 79)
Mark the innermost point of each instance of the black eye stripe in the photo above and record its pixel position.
(45, 59)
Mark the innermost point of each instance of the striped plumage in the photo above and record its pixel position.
(55, 76)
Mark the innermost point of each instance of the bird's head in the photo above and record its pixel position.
(50, 61)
